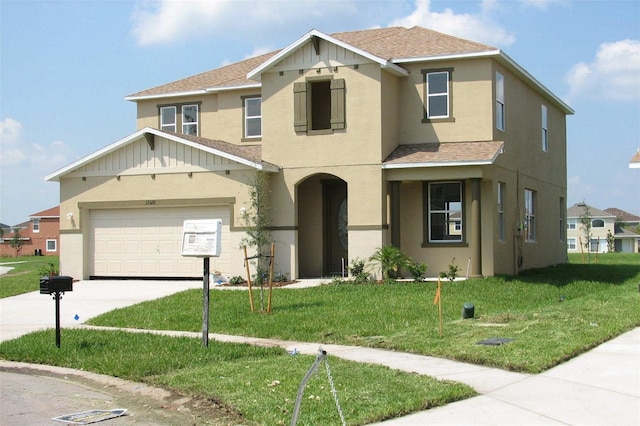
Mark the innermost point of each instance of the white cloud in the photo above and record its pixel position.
(15, 151)
(478, 27)
(24, 165)
(172, 21)
(613, 74)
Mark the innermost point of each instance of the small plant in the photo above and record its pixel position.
(357, 271)
(280, 277)
(237, 280)
(48, 270)
(452, 273)
(416, 269)
(391, 261)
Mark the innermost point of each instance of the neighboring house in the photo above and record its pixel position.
(603, 224)
(628, 225)
(40, 235)
(443, 147)
(634, 163)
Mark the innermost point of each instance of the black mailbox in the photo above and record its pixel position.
(50, 285)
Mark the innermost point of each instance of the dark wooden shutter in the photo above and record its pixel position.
(338, 120)
(300, 107)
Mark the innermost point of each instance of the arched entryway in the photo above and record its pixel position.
(322, 226)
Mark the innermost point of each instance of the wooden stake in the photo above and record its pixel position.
(271, 266)
(440, 305)
(246, 263)
(581, 249)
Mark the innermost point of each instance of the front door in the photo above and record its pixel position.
(335, 227)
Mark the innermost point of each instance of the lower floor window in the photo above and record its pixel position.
(571, 244)
(444, 212)
(52, 245)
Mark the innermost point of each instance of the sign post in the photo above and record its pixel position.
(201, 238)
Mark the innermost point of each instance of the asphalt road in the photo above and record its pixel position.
(34, 395)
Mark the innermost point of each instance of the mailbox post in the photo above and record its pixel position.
(56, 286)
(201, 238)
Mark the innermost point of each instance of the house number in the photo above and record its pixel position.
(150, 203)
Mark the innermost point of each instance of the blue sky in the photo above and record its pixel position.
(66, 67)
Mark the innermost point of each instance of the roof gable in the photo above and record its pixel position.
(151, 150)
(313, 37)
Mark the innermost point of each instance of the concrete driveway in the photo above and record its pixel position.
(29, 312)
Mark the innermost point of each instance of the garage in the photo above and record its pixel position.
(146, 242)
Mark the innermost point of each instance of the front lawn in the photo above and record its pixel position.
(25, 275)
(552, 314)
(253, 385)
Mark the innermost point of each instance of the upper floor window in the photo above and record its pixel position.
(319, 105)
(168, 118)
(572, 223)
(437, 86)
(545, 140)
(36, 225)
(530, 214)
(444, 212)
(180, 117)
(597, 223)
(190, 120)
(499, 101)
(501, 189)
(252, 117)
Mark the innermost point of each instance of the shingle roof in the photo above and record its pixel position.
(228, 76)
(440, 154)
(252, 153)
(577, 210)
(622, 215)
(415, 42)
(387, 43)
(52, 212)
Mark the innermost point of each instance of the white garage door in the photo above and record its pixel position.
(147, 242)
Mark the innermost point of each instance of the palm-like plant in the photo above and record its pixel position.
(391, 260)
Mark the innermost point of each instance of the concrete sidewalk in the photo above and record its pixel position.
(600, 387)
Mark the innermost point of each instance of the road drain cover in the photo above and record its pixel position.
(495, 341)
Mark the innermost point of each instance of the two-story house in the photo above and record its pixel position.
(39, 235)
(443, 147)
(605, 233)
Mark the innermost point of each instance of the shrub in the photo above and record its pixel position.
(237, 280)
(391, 261)
(417, 269)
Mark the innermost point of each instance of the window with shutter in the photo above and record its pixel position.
(319, 105)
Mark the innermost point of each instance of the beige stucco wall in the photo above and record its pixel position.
(470, 97)
(359, 143)
(221, 114)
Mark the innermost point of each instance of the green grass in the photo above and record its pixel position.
(553, 314)
(258, 384)
(600, 301)
(25, 275)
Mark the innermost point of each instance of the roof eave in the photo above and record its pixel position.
(135, 98)
(436, 164)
